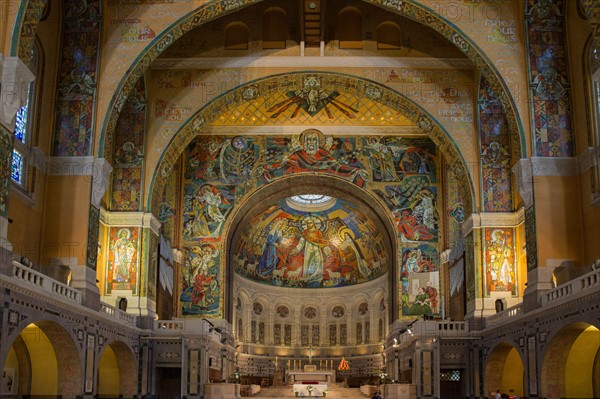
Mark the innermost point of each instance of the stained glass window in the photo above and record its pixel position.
(17, 167)
(21, 123)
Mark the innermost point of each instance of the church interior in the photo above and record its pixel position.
(232, 198)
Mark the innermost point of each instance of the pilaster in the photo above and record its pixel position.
(130, 257)
(492, 270)
(550, 189)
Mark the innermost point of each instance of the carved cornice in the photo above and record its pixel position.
(130, 219)
(100, 180)
(70, 166)
(14, 88)
(545, 166)
(98, 168)
(523, 171)
(589, 158)
(493, 219)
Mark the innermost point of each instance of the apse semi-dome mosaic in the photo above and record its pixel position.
(311, 241)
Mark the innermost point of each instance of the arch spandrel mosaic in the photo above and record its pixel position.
(221, 172)
(366, 92)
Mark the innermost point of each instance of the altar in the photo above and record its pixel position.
(316, 376)
(306, 390)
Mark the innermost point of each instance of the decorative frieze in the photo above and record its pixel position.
(493, 219)
(140, 219)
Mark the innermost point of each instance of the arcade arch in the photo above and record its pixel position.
(117, 376)
(504, 370)
(43, 360)
(570, 366)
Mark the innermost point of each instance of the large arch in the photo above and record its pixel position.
(570, 365)
(370, 90)
(407, 8)
(301, 184)
(504, 370)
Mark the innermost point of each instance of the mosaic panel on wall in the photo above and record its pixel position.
(123, 259)
(247, 99)
(499, 260)
(494, 152)
(32, 14)
(549, 78)
(454, 208)
(6, 150)
(149, 265)
(470, 267)
(129, 153)
(413, 204)
(531, 238)
(168, 206)
(201, 280)
(77, 77)
(220, 170)
(93, 231)
(313, 248)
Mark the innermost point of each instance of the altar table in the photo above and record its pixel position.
(317, 389)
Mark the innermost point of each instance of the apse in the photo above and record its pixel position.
(310, 241)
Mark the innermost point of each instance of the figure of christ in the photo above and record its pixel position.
(311, 157)
(314, 249)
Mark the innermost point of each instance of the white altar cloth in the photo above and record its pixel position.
(303, 391)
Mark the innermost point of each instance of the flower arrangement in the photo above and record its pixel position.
(309, 389)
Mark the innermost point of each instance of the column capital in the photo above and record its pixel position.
(130, 219)
(493, 219)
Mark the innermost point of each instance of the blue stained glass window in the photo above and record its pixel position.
(21, 123)
(17, 167)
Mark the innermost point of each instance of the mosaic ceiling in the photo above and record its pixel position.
(310, 241)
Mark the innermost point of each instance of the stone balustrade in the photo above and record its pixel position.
(586, 283)
(118, 314)
(41, 281)
(506, 314)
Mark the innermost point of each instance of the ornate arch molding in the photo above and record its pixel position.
(216, 9)
(317, 184)
(370, 90)
(23, 39)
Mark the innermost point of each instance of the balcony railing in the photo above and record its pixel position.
(45, 283)
(589, 281)
(118, 314)
(504, 315)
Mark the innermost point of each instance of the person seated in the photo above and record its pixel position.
(376, 395)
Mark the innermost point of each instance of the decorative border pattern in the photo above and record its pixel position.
(29, 16)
